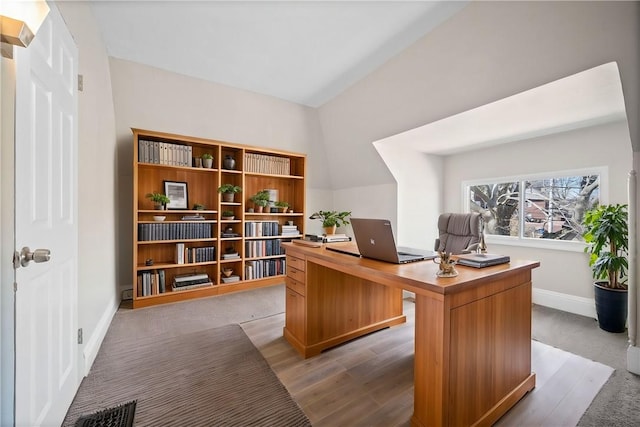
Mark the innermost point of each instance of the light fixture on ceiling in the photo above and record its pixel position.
(19, 22)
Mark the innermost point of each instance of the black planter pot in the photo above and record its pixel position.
(611, 307)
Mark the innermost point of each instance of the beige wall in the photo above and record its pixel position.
(150, 98)
(486, 52)
(98, 295)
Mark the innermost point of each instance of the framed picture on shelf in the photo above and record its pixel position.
(177, 194)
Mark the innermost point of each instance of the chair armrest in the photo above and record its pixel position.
(471, 248)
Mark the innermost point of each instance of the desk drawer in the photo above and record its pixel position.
(294, 285)
(296, 274)
(297, 263)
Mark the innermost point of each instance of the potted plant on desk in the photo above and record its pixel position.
(606, 234)
(331, 220)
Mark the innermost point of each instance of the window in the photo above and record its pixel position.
(536, 208)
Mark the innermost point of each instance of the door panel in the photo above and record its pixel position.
(46, 217)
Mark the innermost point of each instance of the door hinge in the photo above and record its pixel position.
(79, 335)
(80, 82)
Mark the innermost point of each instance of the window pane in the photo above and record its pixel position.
(499, 206)
(555, 207)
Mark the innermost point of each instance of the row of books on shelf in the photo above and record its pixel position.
(150, 283)
(262, 163)
(259, 248)
(174, 231)
(164, 153)
(258, 269)
(153, 282)
(189, 255)
(261, 228)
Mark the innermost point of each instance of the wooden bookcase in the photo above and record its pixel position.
(160, 157)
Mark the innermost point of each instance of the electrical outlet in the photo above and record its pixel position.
(127, 294)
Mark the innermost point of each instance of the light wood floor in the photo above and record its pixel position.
(369, 381)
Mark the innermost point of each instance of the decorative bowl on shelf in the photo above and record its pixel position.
(227, 272)
(159, 217)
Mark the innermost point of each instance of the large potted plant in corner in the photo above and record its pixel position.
(331, 220)
(606, 233)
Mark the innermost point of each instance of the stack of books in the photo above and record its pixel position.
(230, 279)
(190, 281)
(195, 217)
(230, 255)
(482, 260)
(329, 238)
(290, 230)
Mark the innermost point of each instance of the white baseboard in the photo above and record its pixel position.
(92, 346)
(569, 303)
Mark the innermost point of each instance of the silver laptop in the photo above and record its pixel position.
(374, 238)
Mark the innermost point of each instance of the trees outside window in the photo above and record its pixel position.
(549, 208)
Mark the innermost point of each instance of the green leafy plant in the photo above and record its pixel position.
(606, 233)
(198, 207)
(331, 218)
(261, 198)
(281, 204)
(227, 213)
(207, 156)
(158, 198)
(229, 188)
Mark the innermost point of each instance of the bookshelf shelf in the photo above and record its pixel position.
(166, 265)
(256, 168)
(174, 241)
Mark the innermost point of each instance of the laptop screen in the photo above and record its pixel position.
(375, 240)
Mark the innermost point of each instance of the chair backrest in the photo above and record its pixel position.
(458, 232)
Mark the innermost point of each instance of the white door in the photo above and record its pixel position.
(46, 217)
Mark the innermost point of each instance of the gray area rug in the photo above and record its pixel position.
(213, 377)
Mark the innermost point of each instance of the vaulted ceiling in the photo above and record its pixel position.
(301, 51)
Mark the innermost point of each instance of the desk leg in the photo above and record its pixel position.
(431, 362)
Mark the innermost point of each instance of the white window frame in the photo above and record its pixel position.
(561, 245)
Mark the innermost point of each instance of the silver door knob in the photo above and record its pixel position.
(37, 256)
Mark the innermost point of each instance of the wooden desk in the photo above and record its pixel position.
(473, 332)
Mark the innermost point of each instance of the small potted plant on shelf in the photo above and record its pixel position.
(331, 220)
(261, 200)
(207, 160)
(198, 207)
(229, 191)
(606, 235)
(283, 206)
(159, 200)
(228, 215)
